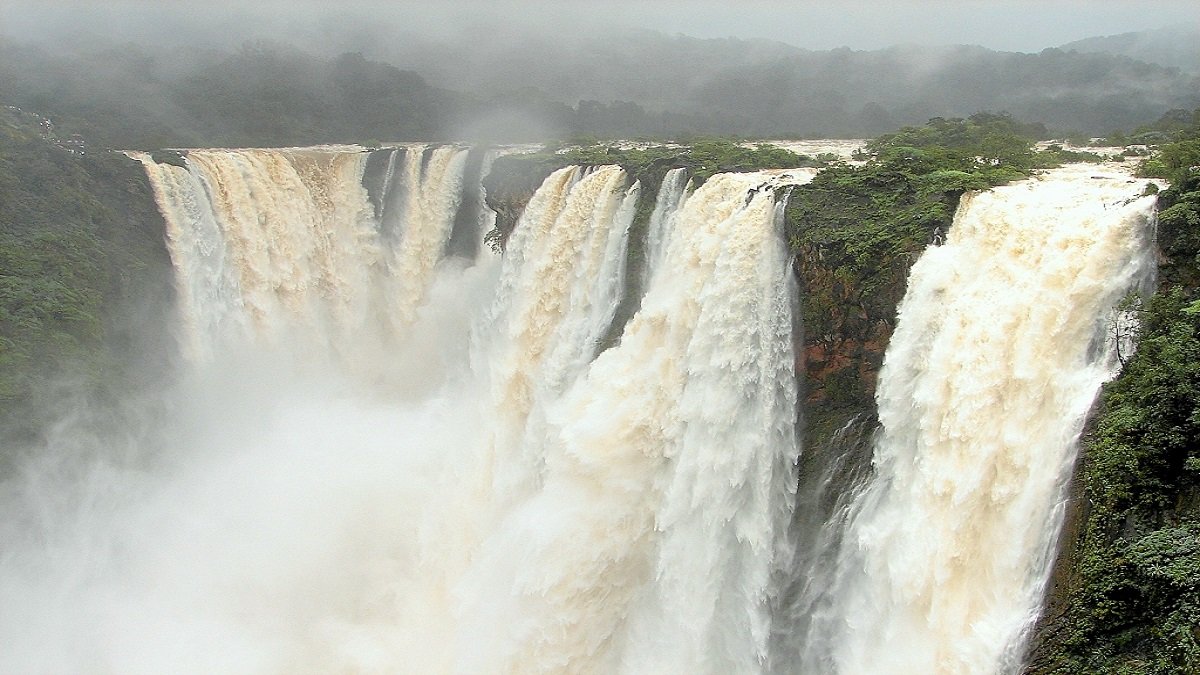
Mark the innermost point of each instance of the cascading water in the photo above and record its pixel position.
(665, 484)
(396, 452)
(281, 245)
(387, 458)
(1002, 342)
(674, 190)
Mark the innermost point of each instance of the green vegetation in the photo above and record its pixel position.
(649, 162)
(857, 229)
(1178, 131)
(1132, 597)
(81, 262)
(909, 188)
(702, 157)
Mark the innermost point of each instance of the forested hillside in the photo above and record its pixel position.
(764, 88)
(262, 95)
(84, 278)
(1178, 46)
(640, 84)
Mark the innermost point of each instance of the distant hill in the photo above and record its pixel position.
(619, 86)
(1178, 46)
(756, 87)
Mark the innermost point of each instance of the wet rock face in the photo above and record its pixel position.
(845, 331)
(508, 187)
(508, 209)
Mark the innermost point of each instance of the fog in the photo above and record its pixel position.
(263, 524)
(146, 74)
(1012, 25)
(257, 512)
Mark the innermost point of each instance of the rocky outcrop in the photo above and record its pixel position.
(508, 187)
(845, 333)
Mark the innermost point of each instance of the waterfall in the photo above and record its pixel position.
(665, 477)
(392, 450)
(387, 454)
(1003, 339)
(282, 245)
(674, 190)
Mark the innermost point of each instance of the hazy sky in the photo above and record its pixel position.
(1019, 25)
(1016, 25)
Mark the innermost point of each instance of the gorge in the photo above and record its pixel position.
(392, 449)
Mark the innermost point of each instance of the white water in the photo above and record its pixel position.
(674, 191)
(385, 460)
(281, 247)
(1001, 345)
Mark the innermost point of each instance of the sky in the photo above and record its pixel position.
(1011, 25)
(1015, 25)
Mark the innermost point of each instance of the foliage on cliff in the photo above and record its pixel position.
(857, 230)
(701, 157)
(81, 264)
(1132, 603)
(1178, 131)
(649, 162)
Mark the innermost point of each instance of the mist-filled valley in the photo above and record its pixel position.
(499, 83)
(373, 341)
